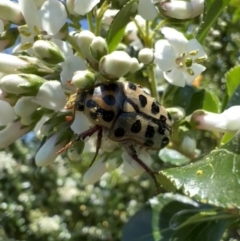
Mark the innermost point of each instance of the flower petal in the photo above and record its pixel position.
(193, 44)
(147, 9)
(197, 69)
(50, 96)
(84, 6)
(69, 67)
(48, 12)
(30, 13)
(8, 111)
(164, 55)
(175, 77)
(176, 39)
(94, 173)
(80, 123)
(63, 46)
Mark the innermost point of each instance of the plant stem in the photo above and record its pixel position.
(90, 22)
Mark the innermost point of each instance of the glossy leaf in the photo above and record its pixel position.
(215, 179)
(116, 30)
(232, 80)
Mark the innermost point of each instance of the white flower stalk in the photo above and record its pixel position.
(25, 107)
(130, 167)
(182, 9)
(94, 173)
(83, 7)
(10, 11)
(115, 65)
(188, 144)
(48, 52)
(48, 151)
(10, 63)
(27, 84)
(227, 121)
(179, 59)
(147, 9)
(12, 132)
(51, 96)
(69, 67)
(146, 55)
(80, 123)
(45, 18)
(83, 79)
(8, 111)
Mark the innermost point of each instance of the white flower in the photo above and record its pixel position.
(182, 9)
(11, 133)
(147, 9)
(83, 7)
(50, 17)
(130, 167)
(51, 96)
(178, 58)
(24, 106)
(228, 121)
(48, 151)
(108, 17)
(8, 111)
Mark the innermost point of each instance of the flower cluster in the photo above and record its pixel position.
(52, 59)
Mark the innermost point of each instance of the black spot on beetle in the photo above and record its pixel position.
(165, 141)
(163, 118)
(91, 104)
(132, 86)
(93, 115)
(109, 99)
(155, 108)
(148, 143)
(136, 127)
(111, 87)
(161, 129)
(119, 132)
(149, 132)
(107, 115)
(142, 100)
(79, 106)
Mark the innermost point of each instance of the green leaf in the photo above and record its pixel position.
(210, 102)
(213, 9)
(232, 80)
(173, 217)
(215, 179)
(116, 30)
(234, 100)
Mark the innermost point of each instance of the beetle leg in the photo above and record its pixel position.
(81, 136)
(98, 145)
(132, 152)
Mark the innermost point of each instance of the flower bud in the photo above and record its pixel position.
(25, 107)
(107, 17)
(85, 38)
(182, 9)
(94, 173)
(11, 12)
(80, 123)
(10, 63)
(228, 121)
(51, 96)
(134, 65)
(146, 56)
(26, 84)
(11, 133)
(48, 51)
(8, 111)
(188, 144)
(83, 79)
(34, 66)
(70, 7)
(98, 48)
(9, 98)
(48, 151)
(147, 9)
(115, 65)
